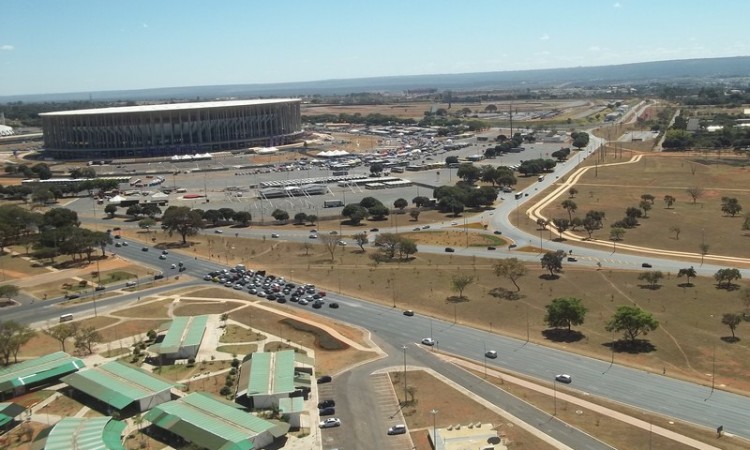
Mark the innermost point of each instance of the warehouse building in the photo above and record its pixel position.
(183, 339)
(265, 378)
(121, 387)
(47, 369)
(209, 422)
(8, 413)
(93, 433)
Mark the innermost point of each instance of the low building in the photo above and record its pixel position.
(47, 369)
(265, 378)
(210, 422)
(183, 338)
(125, 388)
(474, 436)
(92, 433)
(8, 413)
(291, 409)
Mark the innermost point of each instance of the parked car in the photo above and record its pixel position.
(397, 429)
(564, 378)
(324, 379)
(409, 312)
(492, 354)
(326, 403)
(330, 422)
(428, 341)
(329, 411)
(572, 259)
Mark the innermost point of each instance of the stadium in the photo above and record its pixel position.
(170, 129)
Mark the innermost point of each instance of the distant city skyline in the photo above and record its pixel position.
(87, 46)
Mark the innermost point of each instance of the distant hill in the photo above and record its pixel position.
(661, 71)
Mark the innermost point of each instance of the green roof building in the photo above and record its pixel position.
(93, 433)
(183, 339)
(210, 422)
(16, 379)
(121, 386)
(8, 412)
(267, 377)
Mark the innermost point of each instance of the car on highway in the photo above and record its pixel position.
(72, 296)
(313, 236)
(572, 259)
(342, 243)
(331, 422)
(100, 288)
(117, 244)
(409, 312)
(326, 403)
(497, 232)
(492, 354)
(646, 265)
(397, 429)
(124, 243)
(164, 252)
(324, 379)
(144, 249)
(564, 378)
(130, 283)
(449, 250)
(162, 256)
(218, 231)
(491, 248)
(275, 235)
(374, 230)
(428, 341)
(426, 227)
(333, 305)
(417, 229)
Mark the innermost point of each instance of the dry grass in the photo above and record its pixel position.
(155, 309)
(197, 309)
(219, 293)
(179, 372)
(129, 329)
(63, 406)
(233, 334)
(454, 408)
(240, 349)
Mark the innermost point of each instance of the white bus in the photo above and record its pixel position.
(66, 317)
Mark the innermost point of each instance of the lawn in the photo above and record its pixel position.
(233, 334)
(152, 309)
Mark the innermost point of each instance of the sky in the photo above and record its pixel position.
(55, 46)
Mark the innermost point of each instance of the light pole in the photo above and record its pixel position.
(404, 348)
(485, 360)
(434, 428)
(554, 384)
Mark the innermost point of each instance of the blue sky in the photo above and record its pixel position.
(51, 46)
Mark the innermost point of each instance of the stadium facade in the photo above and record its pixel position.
(170, 129)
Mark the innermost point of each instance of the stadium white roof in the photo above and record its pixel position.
(170, 107)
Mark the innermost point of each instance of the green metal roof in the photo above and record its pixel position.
(209, 422)
(183, 332)
(270, 373)
(94, 433)
(289, 405)
(9, 411)
(38, 369)
(117, 384)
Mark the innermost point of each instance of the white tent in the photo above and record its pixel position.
(116, 200)
(332, 153)
(265, 150)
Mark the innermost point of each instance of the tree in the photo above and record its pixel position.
(226, 213)
(731, 320)
(13, 336)
(695, 192)
(572, 192)
(243, 218)
(110, 210)
(570, 206)
(468, 172)
(331, 243)
(420, 201)
(400, 204)
(542, 223)
(645, 205)
(361, 239)
(213, 216)
(379, 211)
(727, 276)
(147, 223)
(688, 272)
(552, 261)
(565, 312)
(590, 225)
(676, 229)
(151, 210)
(669, 200)
(580, 139)
(391, 244)
(8, 291)
(300, 218)
(414, 214)
(648, 198)
(224, 317)
(312, 219)
(562, 224)
(652, 277)
(730, 206)
(42, 170)
(134, 210)
(62, 332)
(512, 269)
(616, 233)
(354, 212)
(369, 202)
(280, 215)
(460, 282)
(86, 338)
(633, 321)
(182, 220)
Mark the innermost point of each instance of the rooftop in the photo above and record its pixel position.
(183, 332)
(169, 107)
(271, 373)
(38, 369)
(94, 433)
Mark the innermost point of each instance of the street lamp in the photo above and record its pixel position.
(434, 428)
(404, 348)
(554, 384)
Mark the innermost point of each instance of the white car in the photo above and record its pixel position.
(564, 378)
(492, 354)
(428, 341)
(275, 235)
(331, 422)
(130, 283)
(397, 429)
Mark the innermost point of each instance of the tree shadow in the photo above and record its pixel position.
(562, 335)
(650, 287)
(685, 285)
(506, 294)
(730, 339)
(728, 287)
(633, 347)
(549, 277)
(456, 299)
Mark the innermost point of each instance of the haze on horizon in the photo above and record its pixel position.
(86, 46)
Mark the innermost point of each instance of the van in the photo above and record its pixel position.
(66, 318)
(519, 195)
(181, 190)
(541, 177)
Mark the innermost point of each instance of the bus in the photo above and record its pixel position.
(66, 318)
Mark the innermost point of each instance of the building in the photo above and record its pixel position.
(474, 436)
(170, 129)
(183, 339)
(291, 409)
(265, 378)
(8, 413)
(118, 386)
(210, 422)
(93, 433)
(47, 369)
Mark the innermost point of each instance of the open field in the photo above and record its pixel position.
(152, 309)
(613, 189)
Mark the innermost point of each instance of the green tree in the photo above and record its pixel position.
(645, 205)
(400, 204)
(147, 223)
(212, 216)
(110, 210)
(414, 214)
(13, 336)
(280, 215)
(652, 277)
(62, 332)
(552, 261)
(695, 192)
(134, 210)
(460, 282)
(572, 192)
(361, 239)
(181, 220)
(369, 202)
(8, 291)
(312, 219)
(379, 212)
(616, 233)
(565, 312)
(632, 321)
(726, 277)
(731, 320)
(355, 213)
(669, 200)
(300, 218)
(687, 272)
(86, 338)
(243, 218)
(580, 139)
(730, 206)
(570, 206)
(420, 201)
(151, 210)
(468, 172)
(512, 269)
(226, 213)
(376, 169)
